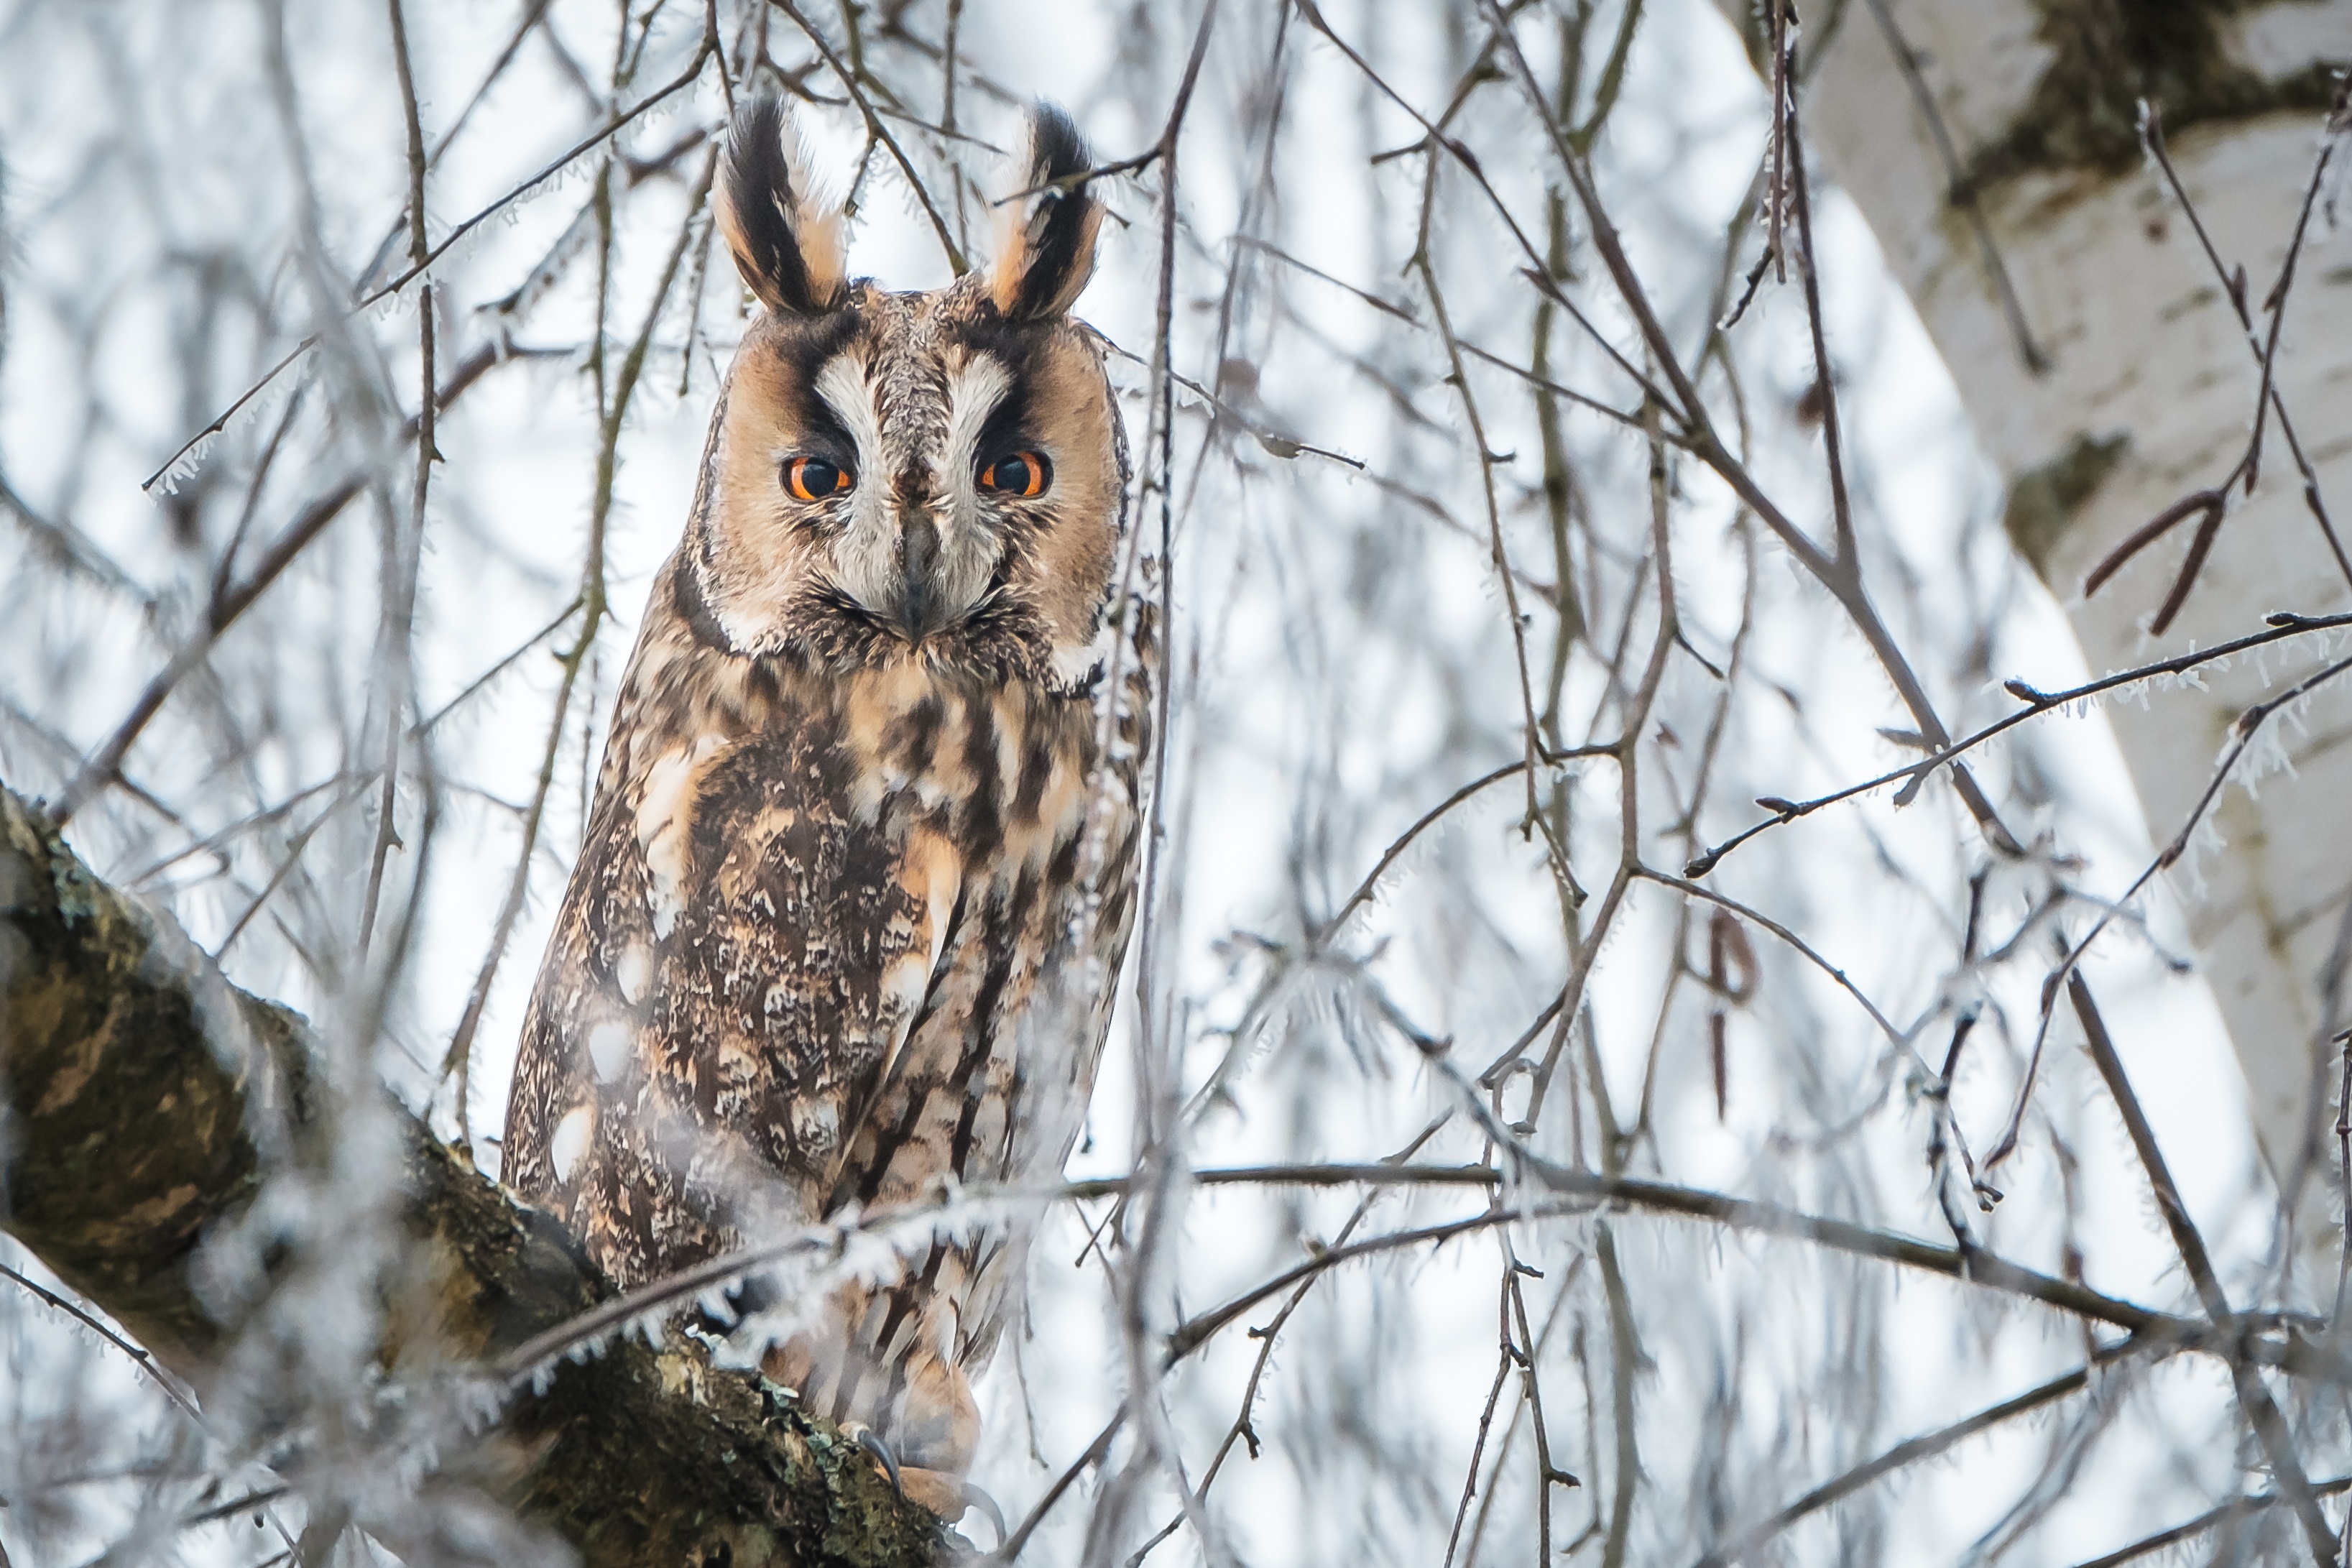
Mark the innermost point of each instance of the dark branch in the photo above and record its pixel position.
(148, 1101)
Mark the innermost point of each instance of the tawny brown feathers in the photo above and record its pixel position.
(860, 870)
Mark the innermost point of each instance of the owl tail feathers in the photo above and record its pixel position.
(785, 234)
(1047, 252)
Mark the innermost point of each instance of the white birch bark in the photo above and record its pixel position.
(2144, 393)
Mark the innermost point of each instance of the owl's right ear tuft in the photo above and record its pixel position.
(1047, 252)
(786, 241)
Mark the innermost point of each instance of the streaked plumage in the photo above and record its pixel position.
(860, 870)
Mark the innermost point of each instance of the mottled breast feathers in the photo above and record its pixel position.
(771, 895)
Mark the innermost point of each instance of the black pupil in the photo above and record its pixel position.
(1011, 474)
(817, 476)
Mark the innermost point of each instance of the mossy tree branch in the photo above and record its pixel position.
(143, 1102)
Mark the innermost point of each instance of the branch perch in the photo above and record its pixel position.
(143, 1101)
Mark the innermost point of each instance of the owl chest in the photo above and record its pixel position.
(899, 780)
(852, 906)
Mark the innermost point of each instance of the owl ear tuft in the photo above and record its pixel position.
(1048, 252)
(786, 240)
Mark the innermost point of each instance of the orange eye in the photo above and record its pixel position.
(813, 479)
(1021, 474)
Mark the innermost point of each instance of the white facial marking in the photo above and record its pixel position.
(865, 556)
(842, 384)
(968, 544)
(973, 392)
(571, 1142)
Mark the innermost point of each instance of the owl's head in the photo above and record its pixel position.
(932, 475)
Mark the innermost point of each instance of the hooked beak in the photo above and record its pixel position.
(919, 554)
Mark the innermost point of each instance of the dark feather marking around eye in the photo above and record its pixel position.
(821, 425)
(805, 348)
(1024, 351)
(805, 344)
(1006, 428)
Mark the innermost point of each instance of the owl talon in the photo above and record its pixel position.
(874, 1443)
(976, 1498)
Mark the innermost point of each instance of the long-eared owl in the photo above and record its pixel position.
(860, 870)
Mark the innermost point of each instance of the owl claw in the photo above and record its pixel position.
(874, 1443)
(976, 1498)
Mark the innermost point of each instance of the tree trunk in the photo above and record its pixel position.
(143, 1099)
(2105, 370)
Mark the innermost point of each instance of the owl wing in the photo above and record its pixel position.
(741, 954)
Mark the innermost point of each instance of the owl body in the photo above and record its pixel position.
(860, 870)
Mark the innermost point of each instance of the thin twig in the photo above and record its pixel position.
(2210, 507)
(588, 143)
(1842, 578)
(2284, 625)
(1430, 818)
(400, 592)
(2242, 735)
(2262, 1411)
(104, 764)
(1803, 948)
(2233, 285)
(1961, 191)
(1845, 562)
(1587, 944)
(1927, 1446)
(457, 1061)
(1008, 1550)
(849, 80)
(1504, 1360)
(2236, 1507)
(1624, 1363)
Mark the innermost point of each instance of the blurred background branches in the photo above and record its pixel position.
(1662, 1031)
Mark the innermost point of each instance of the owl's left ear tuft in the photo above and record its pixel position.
(786, 240)
(1048, 252)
